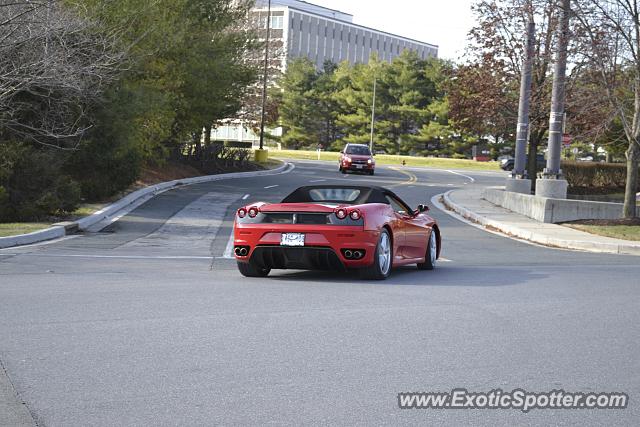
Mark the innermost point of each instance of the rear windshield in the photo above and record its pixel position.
(358, 150)
(334, 194)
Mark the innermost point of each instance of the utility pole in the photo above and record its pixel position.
(518, 182)
(553, 185)
(373, 114)
(264, 77)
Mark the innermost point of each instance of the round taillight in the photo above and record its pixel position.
(253, 212)
(341, 213)
(242, 212)
(355, 215)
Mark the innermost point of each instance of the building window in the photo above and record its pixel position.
(301, 24)
(277, 22)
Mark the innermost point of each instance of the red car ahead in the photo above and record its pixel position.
(335, 228)
(356, 157)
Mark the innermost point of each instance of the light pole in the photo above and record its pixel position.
(373, 114)
(264, 77)
(519, 182)
(553, 185)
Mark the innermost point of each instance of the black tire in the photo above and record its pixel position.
(431, 254)
(343, 170)
(376, 271)
(371, 172)
(249, 269)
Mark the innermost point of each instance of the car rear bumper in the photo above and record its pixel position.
(302, 258)
(324, 246)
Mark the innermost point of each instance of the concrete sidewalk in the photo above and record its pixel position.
(468, 203)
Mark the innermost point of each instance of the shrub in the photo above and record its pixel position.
(104, 168)
(32, 184)
(588, 175)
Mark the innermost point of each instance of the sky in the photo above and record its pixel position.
(443, 23)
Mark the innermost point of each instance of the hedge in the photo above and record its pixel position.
(584, 175)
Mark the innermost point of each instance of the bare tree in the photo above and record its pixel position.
(610, 32)
(497, 45)
(54, 65)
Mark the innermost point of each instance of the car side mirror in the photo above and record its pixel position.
(423, 208)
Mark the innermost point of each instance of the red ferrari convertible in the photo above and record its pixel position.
(335, 227)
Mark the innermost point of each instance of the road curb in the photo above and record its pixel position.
(116, 208)
(542, 239)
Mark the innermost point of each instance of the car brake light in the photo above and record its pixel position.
(253, 212)
(355, 215)
(242, 212)
(341, 213)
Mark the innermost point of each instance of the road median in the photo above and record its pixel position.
(469, 204)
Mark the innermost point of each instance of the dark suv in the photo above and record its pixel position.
(509, 163)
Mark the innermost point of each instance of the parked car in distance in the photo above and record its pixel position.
(508, 163)
(356, 157)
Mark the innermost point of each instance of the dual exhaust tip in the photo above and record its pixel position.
(241, 250)
(353, 254)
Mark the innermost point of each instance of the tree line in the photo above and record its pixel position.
(92, 90)
(335, 105)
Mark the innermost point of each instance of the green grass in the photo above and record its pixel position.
(15, 228)
(387, 159)
(625, 232)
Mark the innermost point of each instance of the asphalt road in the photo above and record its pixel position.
(147, 323)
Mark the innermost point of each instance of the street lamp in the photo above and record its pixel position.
(373, 114)
(264, 77)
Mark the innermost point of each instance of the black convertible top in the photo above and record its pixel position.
(359, 195)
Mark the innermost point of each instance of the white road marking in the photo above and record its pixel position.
(317, 180)
(444, 259)
(271, 186)
(40, 255)
(463, 175)
(245, 197)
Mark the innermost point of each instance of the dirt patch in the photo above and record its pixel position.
(168, 172)
(605, 222)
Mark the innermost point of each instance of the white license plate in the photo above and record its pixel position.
(359, 166)
(292, 239)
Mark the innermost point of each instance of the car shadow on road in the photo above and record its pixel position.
(409, 276)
